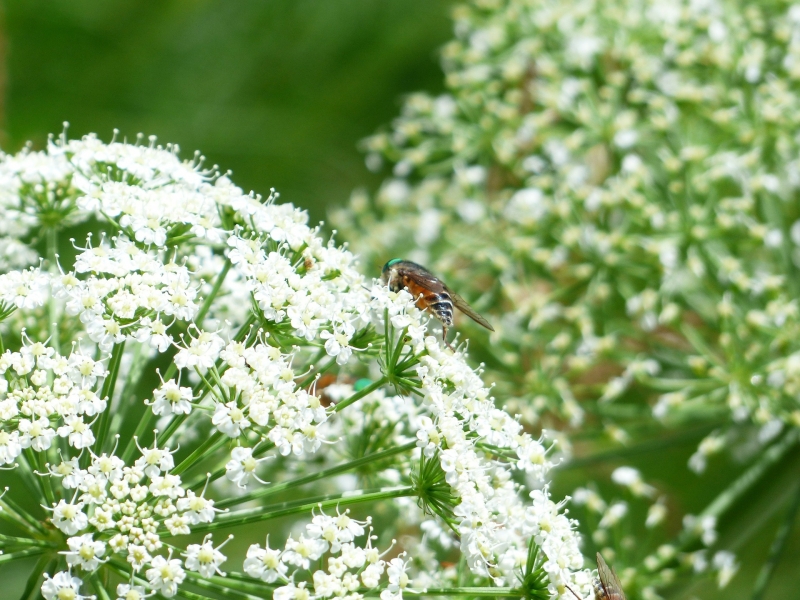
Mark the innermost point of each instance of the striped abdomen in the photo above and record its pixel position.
(439, 303)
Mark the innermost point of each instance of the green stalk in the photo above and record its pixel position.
(752, 476)
(777, 548)
(193, 596)
(145, 421)
(99, 587)
(480, 592)
(12, 556)
(359, 395)
(22, 518)
(343, 468)
(46, 564)
(107, 392)
(52, 309)
(47, 485)
(734, 492)
(262, 449)
(10, 540)
(176, 422)
(212, 294)
(32, 462)
(229, 592)
(211, 443)
(244, 584)
(255, 515)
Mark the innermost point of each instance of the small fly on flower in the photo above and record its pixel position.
(430, 291)
(606, 585)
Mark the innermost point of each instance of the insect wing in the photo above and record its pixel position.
(462, 305)
(609, 580)
(420, 275)
(418, 279)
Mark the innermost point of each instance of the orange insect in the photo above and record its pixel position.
(430, 291)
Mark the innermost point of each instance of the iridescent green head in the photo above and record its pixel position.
(389, 264)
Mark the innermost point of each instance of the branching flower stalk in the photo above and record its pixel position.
(617, 183)
(201, 398)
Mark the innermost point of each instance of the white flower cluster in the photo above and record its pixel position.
(351, 569)
(267, 399)
(267, 334)
(127, 293)
(47, 396)
(462, 429)
(118, 510)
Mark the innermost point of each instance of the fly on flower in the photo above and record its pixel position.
(607, 585)
(430, 291)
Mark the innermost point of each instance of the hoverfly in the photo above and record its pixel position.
(430, 291)
(606, 585)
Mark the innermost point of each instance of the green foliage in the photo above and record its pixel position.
(278, 91)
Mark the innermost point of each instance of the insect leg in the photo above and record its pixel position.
(444, 338)
(573, 593)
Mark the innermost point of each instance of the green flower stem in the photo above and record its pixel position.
(209, 386)
(211, 443)
(10, 540)
(107, 392)
(148, 416)
(260, 451)
(778, 546)
(12, 556)
(242, 583)
(193, 596)
(751, 476)
(359, 395)
(21, 517)
(47, 484)
(102, 593)
(738, 488)
(32, 462)
(146, 421)
(280, 487)
(313, 375)
(229, 591)
(652, 445)
(696, 340)
(247, 579)
(201, 314)
(138, 362)
(176, 422)
(52, 307)
(45, 564)
(480, 592)
(255, 515)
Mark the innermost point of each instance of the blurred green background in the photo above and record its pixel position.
(279, 91)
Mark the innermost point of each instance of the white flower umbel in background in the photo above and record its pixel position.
(618, 181)
(202, 361)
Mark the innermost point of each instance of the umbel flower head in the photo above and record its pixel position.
(618, 181)
(200, 350)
